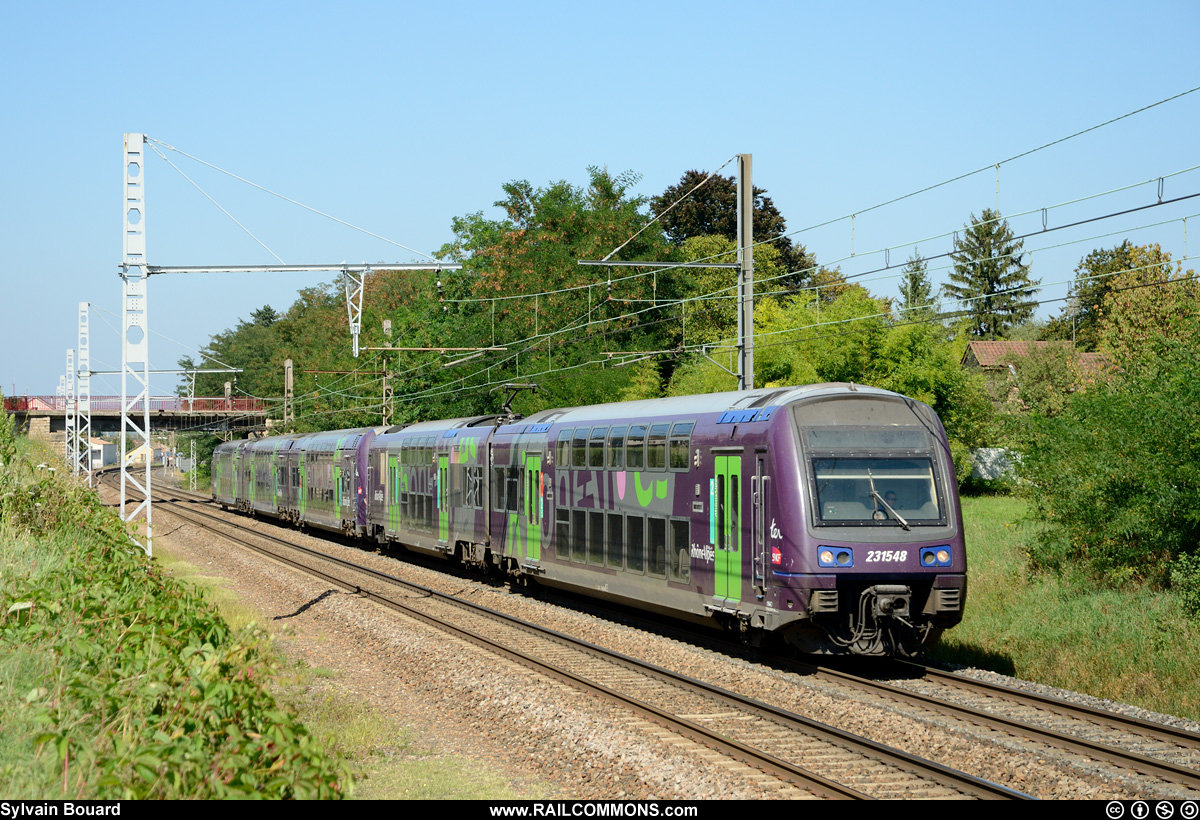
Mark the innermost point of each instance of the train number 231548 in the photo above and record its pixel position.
(874, 556)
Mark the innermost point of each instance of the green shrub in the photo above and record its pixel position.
(1116, 475)
(1185, 578)
(150, 694)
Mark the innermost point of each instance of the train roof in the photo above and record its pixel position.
(705, 403)
(428, 427)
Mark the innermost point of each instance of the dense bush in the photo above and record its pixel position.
(152, 695)
(1185, 578)
(1116, 475)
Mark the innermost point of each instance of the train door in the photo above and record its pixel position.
(443, 499)
(303, 486)
(533, 508)
(727, 521)
(759, 486)
(337, 489)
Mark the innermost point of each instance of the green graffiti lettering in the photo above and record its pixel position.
(644, 494)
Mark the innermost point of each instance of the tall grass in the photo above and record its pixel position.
(1131, 643)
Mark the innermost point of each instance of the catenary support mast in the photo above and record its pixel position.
(83, 404)
(135, 336)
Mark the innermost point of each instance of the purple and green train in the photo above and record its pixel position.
(825, 515)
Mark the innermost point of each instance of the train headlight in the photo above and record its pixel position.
(835, 557)
(935, 556)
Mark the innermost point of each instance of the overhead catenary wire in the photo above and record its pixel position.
(444, 389)
(588, 320)
(573, 325)
(992, 165)
(899, 245)
(289, 199)
(695, 188)
(163, 156)
(894, 200)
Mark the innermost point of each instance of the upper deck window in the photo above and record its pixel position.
(656, 447)
(681, 437)
(596, 448)
(635, 447)
(616, 448)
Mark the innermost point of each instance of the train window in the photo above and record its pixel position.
(562, 533)
(498, 485)
(596, 448)
(635, 447)
(721, 541)
(595, 537)
(564, 448)
(579, 448)
(656, 447)
(616, 448)
(579, 535)
(635, 539)
(681, 562)
(531, 492)
(656, 546)
(475, 487)
(616, 541)
(514, 484)
(848, 491)
(681, 443)
(735, 509)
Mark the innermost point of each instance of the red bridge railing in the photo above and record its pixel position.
(165, 404)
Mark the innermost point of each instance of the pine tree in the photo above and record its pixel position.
(916, 292)
(989, 278)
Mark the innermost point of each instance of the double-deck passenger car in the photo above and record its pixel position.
(825, 515)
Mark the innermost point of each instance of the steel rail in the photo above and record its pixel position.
(1114, 720)
(1142, 764)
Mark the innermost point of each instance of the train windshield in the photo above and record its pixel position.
(874, 477)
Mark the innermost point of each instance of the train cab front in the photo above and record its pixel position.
(877, 558)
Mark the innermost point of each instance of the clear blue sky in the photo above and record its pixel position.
(399, 116)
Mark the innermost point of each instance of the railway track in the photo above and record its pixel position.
(804, 755)
(1085, 737)
(1147, 747)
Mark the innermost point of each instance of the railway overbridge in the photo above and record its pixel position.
(44, 417)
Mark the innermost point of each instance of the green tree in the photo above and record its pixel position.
(989, 277)
(265, 316)
(1079, 320)
(1046, 377)
(711, 210)
(567, 315)
(1114, 476)
(711, 313)
(1151, 301)
(916, 291)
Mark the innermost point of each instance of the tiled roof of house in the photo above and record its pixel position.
(992, 354)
